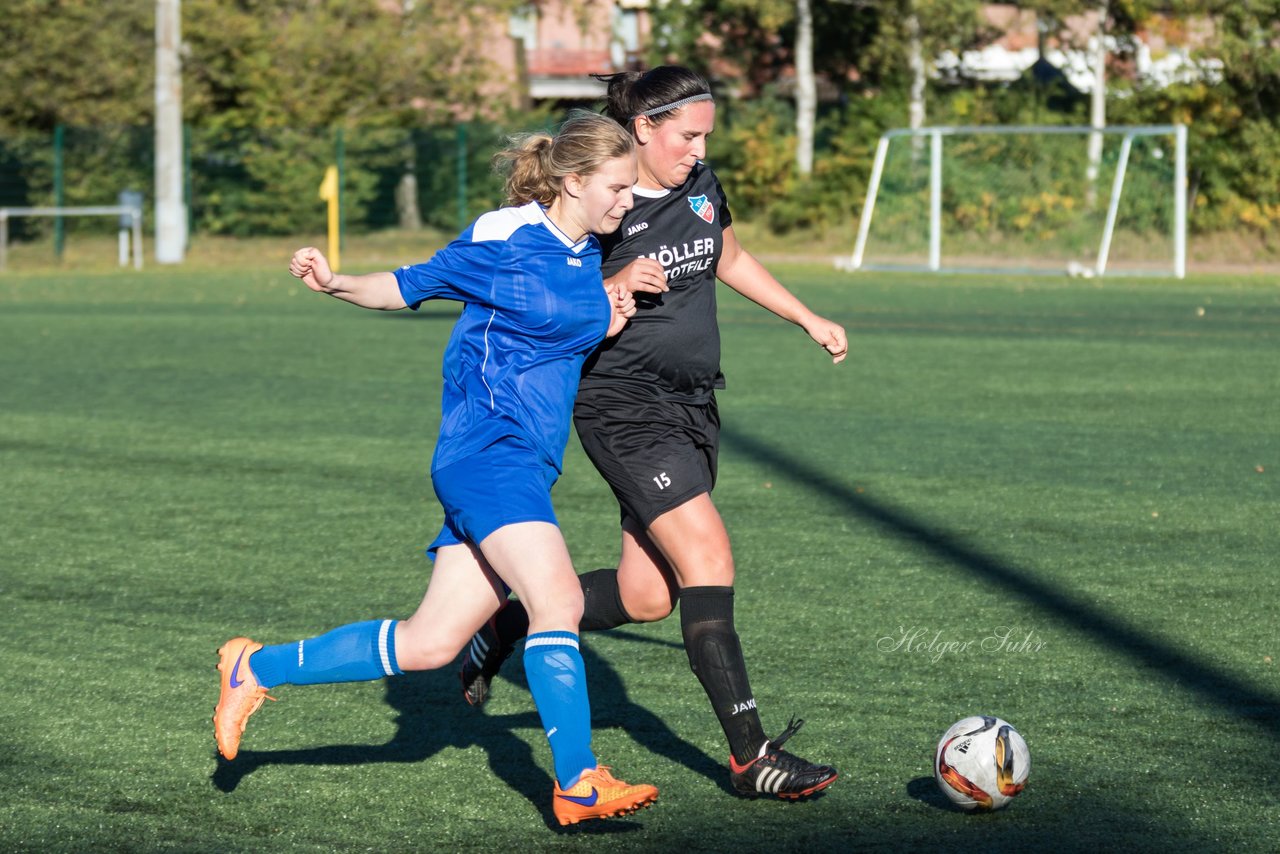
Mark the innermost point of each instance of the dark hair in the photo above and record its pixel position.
(536, 164)
(634, 92)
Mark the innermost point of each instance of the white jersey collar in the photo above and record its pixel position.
(661, 192)
(534, 212)
(646, 193)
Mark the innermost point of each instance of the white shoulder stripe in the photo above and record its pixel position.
(504, 222)
(500, 224)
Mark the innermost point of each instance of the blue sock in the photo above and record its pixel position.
(356, 652)
(558, 682)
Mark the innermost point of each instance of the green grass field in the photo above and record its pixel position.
(1087, 470)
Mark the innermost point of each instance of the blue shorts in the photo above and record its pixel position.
(500, 485)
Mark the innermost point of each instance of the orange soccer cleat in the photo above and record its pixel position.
(598, 794)
(241, 694)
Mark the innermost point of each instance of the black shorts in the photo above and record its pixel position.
(654, 454)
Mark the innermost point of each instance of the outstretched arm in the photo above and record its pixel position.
(740, 270)
(373, 290)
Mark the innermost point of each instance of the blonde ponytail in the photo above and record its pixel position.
(536, 164)
(528, 163)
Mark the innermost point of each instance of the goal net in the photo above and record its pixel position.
(1074, 200)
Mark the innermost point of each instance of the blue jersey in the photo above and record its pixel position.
(535, 307)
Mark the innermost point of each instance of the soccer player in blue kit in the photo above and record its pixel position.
(534, 308)
(647, 417)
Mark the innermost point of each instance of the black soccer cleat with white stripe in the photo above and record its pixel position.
(779, 773)
(481, 663)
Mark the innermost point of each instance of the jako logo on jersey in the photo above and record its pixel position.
(574, 262)
(703, 208)
(637, 228)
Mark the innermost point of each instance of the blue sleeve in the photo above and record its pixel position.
(461, 271)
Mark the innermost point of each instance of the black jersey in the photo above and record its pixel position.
(671, 347)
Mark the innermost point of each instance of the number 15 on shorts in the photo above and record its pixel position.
(662, 480)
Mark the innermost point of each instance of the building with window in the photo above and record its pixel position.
(555, 48)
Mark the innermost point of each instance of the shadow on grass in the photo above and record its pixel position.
(611, 706)
(926, 791)
(1215, 687)
(432, 716)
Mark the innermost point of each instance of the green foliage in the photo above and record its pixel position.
(267, 84)
(268, 63)
(755, 38)
(447, 197)
(76, 62)
(943, 24)
(258, 182)
(248, 63)
(753, 154)
(26, 176)
(98, 163)
(264, 181)
(1234, 124)
(1025, 198)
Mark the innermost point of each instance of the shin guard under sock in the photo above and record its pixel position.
(715, 656)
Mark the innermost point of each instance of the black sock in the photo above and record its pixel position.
(602, 601)
(715, 655)
(602, 608)
(511, 623)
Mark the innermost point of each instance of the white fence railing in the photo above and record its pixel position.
(133, 214)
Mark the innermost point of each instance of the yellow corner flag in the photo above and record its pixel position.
(329, 192)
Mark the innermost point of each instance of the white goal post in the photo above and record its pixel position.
(132, 214)
(1027, 199)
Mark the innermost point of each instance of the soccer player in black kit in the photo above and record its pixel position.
(646, 416)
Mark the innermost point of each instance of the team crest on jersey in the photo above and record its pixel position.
(702, 207)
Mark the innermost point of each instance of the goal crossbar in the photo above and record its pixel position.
(133, 213)
(936, 136)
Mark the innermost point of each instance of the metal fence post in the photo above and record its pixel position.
(935, 200)
(340, 156)
(59, 234)
(462, 174)
(186, 182)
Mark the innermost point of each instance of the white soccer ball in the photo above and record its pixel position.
(981, 763)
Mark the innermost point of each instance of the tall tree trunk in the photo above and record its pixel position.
(407, 210)
(915, 64)
(806, 88)
(1097, 106)
(408, 213)
(522, 27)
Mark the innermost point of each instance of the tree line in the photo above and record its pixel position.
(302, 65)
